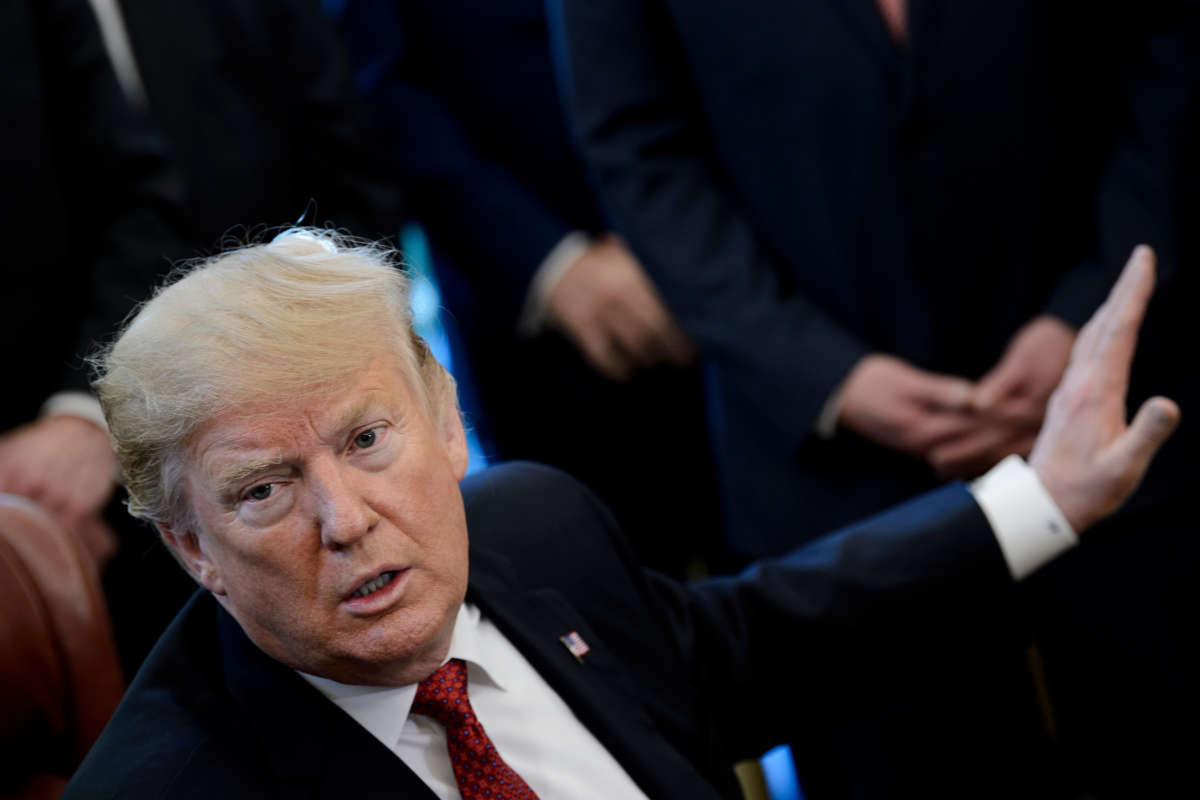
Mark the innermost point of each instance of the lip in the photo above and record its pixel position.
(381, 599)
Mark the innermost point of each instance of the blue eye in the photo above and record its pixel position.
(366, 439)
(260, 492)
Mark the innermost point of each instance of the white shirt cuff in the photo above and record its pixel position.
(556, 263)
(75, 404)
(1028, 524)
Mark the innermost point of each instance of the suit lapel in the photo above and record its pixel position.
(334, 757)
(596, 687)
(314, 748)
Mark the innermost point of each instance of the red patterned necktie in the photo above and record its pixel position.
(479, 770)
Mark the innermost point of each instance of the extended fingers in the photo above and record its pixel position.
(1113, 328)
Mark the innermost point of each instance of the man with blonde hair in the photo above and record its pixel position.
(300, 452)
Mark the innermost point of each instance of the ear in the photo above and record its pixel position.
(454, 437)
(189, 551)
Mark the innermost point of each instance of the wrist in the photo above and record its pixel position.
(77, 405)
(537, 312)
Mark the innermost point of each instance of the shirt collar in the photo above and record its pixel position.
(384, 710)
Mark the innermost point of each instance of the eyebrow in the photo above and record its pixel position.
(353, 414)
(226, 480)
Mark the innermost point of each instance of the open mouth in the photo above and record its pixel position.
(375, 584)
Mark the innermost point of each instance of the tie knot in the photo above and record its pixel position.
(479, 771)
(443, 696)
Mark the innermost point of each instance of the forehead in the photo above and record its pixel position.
(273, 429)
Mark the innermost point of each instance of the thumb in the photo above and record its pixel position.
(1154, 423)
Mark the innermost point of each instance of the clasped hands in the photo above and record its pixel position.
(1055, 397)
(960, 427)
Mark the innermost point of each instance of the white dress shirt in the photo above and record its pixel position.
(532, 728)
(1028, 524)
(116, 42)
(539, 736)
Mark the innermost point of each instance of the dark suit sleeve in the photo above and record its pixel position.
(645, 141)
(832, 628)
(839, 623)
(1143, 178)
(124, 197)
(478, 211)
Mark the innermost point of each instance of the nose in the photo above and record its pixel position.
(342, 512)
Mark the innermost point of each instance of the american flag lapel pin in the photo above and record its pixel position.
(575, 645)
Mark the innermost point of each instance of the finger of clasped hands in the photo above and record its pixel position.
(963, 428)
(959, 427)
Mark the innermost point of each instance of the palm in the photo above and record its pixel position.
(1087, 456)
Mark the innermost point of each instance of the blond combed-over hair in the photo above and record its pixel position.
(297, 316)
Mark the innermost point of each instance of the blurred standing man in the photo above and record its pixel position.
(576, 361)
(881, 224)
(304, 146)
(91, 209)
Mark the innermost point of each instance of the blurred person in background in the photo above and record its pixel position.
(302, 145)
(255, 99)
(575, 359)
(92, 212)
(881, 223)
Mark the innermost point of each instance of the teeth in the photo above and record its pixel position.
(374, 585)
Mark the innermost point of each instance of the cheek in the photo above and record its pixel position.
(278, 577)
(453, 543)
(435, 521)
(422, 497)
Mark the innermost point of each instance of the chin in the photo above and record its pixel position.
(401, 649)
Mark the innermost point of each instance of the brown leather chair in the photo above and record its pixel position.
(60, 678)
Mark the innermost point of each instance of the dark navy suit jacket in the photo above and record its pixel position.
(257, 101)
(805, 191)
(465, 92)
(466, 95)
(88, 200)
(679, 682)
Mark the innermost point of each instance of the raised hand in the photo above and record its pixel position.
(1087, 456)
